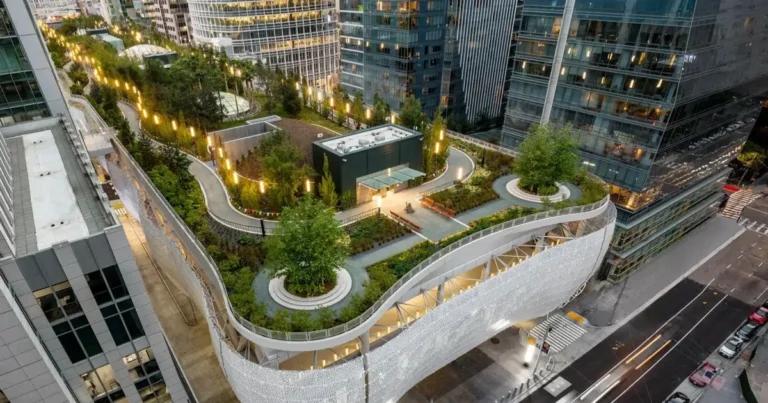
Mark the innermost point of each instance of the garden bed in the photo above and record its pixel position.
(372, 232)
(300, 134)
(475, 192)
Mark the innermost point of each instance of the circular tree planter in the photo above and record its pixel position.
(280, 294)
(514, 189)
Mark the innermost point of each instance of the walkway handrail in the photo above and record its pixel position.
(482, 143)
(241, 227)
(345, 327)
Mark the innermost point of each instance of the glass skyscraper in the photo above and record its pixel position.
(394, 49)
(21, 98)
(661, 95)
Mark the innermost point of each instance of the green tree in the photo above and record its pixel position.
(327, 187)
(751, 158)
(301, 321)
(435, 161)
(547, 155)
(282, 167)
(281, 321)
(358, 109)
(307, 247)
(348, 199)
(324, 318)
(290, 98)
(250, 197)
(380, 111)
(411, 115)
(76, 89)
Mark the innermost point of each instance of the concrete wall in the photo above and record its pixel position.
(237, 141)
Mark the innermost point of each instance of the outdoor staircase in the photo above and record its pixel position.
(564, 332)
(737, 202)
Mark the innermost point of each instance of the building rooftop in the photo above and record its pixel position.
(366, 138)
(138, 52)
(54, 199)
(232, 104)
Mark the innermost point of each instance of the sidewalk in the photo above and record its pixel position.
(642, 288)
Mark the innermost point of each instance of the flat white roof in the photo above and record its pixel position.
(57, 217)
(373, 137)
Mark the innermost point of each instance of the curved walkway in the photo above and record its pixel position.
(216, 197)
(220, 207)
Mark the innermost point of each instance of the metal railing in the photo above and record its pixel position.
(248, 229)
(343, 328)
(359, 216)
(437, 189)
(481, 143)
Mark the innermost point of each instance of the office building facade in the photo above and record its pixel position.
(479, 46)
(171, 18)
(293, 35)
(30, 90)
(661, 96)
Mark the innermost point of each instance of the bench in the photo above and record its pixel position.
(408, 223)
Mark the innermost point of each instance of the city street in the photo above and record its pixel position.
(649, 357)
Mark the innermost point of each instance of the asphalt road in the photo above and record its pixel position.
(691, 321)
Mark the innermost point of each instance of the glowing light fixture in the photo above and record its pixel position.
(156, 119)
(235, 178)
(659, 84)
(173, 125)
(261, 187)
(221, 152)
(209, 141)
(192, 133)
(367, 113)
(229, 164)
(437, 148)
(632, 83)
(442, 134)
(308, 185)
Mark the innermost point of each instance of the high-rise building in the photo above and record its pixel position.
(50, 9)
(30, 90)
(293, 35)
(171, 18)
(479, 45)
(661, 96)
(393, 49)
(76, 324)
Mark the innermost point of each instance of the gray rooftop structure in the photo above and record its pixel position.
(87, 197)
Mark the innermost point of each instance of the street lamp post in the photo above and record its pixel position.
(538, 356)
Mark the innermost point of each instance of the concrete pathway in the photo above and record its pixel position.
(191, 344)
(216, 196)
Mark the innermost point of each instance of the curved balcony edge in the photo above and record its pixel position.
(309, 341)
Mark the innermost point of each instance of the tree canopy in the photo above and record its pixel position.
(547, 155)
(307, 247)
(283, 169)
(411, 115)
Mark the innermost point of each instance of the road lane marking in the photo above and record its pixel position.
(644, 348)
(608, 390)
(650, 357)
(593, 387)
(761, 294)
(657, 331)
(671, 349)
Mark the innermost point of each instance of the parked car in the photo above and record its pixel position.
(760, 315)
(747, 331)
(704, 375)
(678, 397)
(731, 347)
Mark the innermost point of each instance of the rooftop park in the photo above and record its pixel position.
(310, 245)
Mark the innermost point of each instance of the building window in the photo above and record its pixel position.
(142, 364)
(57, 300)
(107, 285)
(77, 338)
(147, 377)
(122, 321)
(153, 389)
(102, 385)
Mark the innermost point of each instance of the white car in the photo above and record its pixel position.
(731, 347)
